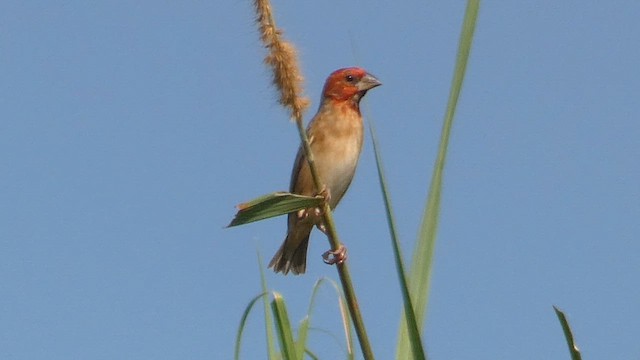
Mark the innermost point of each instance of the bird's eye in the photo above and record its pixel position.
(350, 78)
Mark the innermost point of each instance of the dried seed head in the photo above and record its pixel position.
(282, 57)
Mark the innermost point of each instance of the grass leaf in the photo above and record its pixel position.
(409, 313)
(303, 330)
(346, 319)
(283, 325)
(243, 322)
(271, 205)
(573, 347)
(268, 318)
(344, 315)
(420, 275)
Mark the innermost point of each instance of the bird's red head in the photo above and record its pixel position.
(349, 84)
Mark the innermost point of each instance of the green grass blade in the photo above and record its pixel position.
(346, 321)
(346, 324)
(312, 355)
(243, 322)
(285, 332)
(568, 334)
(303, 335)
(271, 205)
(409, 313)
(420, 274)
(303, 330)
(268, 318)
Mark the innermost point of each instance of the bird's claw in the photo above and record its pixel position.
(338, 256)
(325, 194)
(317, 212)
(302, 214)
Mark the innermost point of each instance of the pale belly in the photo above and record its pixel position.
(337, 166)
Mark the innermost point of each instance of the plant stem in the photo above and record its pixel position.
(343, 270)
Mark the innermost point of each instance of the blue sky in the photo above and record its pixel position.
(130, 130)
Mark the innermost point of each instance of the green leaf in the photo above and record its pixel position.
(573, 347)
(346, 319)
(243, 322)
(274, 204)
(344, 314)
(285, 332)
(312, 355)
(409, 313)
(303, 330)
(268, 318)
(420, 275)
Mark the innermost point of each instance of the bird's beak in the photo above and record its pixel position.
(368, 82)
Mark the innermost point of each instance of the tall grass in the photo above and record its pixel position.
(287, 78)
(420, 278)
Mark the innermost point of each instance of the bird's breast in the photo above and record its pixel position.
(336, 148)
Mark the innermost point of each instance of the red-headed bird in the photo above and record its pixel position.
(336, 135)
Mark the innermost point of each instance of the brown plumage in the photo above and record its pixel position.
(336, 135)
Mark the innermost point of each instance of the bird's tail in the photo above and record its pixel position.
(292, 255)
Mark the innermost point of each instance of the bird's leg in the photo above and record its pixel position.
(338, 256)
(330, 257)
(321, 227)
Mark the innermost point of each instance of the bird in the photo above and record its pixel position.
(336, 134)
